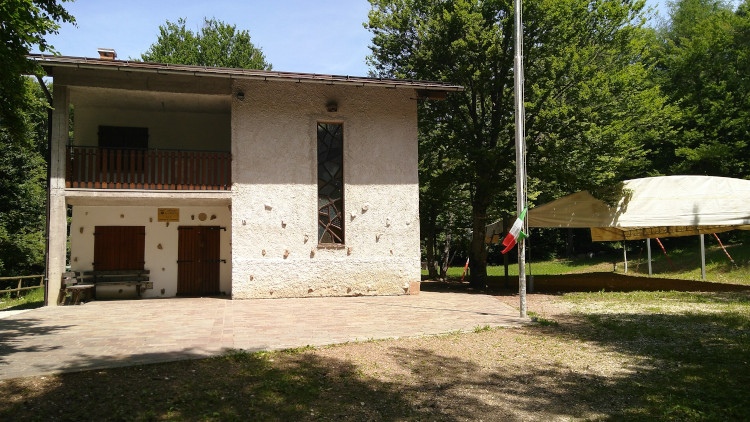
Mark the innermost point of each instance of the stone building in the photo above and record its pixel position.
(248, 183)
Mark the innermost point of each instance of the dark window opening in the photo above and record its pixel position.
(123, 137)
(330, 183)
(122, 148)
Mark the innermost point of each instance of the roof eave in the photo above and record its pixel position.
(425, 89)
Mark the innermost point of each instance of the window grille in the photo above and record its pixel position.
(330, 183)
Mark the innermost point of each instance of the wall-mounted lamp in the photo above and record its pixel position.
(240, 95)
(332, 107)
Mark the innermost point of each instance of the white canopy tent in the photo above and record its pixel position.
(666, 206)
(653, 207)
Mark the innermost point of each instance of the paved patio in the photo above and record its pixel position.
(103, 334)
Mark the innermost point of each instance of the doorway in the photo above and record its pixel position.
(198, 259)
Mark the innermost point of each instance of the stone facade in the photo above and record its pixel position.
(269, 218)
(274, 196)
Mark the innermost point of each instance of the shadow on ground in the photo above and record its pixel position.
(11, 330)
(597, 366)
(661, 372)
(237, 386)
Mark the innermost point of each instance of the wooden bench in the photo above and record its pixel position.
(81, 286)
(137, 278)
(78, 291)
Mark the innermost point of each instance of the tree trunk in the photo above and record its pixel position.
(478, 249)
(430, 255)
(444, 259)
(569, 248)
(446, 250)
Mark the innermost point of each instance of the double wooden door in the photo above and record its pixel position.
(198, 260)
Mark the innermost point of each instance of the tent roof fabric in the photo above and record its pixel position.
(666, 206)
(493, 232)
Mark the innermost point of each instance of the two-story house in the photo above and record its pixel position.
(249, 183)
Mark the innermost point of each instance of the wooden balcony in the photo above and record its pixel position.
(112, 168)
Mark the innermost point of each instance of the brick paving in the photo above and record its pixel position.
(103, 334)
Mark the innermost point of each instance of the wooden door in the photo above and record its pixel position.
(198, 260)
(119, 247)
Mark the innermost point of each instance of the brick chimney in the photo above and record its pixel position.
(107, 53)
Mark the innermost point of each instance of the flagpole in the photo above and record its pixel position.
(520, 152)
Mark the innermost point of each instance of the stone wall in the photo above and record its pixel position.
(274, 196)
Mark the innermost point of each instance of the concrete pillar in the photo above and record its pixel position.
(57, 208)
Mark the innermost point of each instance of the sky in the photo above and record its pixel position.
(311, 36)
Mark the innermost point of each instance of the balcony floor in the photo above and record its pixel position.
(129, 197)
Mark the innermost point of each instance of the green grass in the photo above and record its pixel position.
(29, 300)
(541, 320)
(683, 263)
(481, 328)
(557, 266)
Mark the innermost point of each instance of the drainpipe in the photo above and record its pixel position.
(49, 174)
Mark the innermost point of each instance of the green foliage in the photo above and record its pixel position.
(24, 24)
(705, 57)
(217, 44)
(590, 103)
(442, 195)
(592, 106)
(22, 188)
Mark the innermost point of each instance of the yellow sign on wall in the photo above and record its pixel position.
(169, 214)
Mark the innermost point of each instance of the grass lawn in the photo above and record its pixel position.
(29, 300)
(682, 263)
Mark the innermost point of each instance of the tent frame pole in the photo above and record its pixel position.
(703, 257)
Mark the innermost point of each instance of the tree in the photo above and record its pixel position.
(590, 105)
(23, 25)
(704, 66)
(442, 195)
(218, 45)
(22, 187)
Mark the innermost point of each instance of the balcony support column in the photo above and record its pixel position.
(57, 208)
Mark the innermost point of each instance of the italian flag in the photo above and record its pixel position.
(515, 233)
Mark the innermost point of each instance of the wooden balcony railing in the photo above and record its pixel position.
(112, 168)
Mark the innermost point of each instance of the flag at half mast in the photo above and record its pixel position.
(515, 233)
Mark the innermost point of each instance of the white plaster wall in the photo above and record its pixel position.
(161, 240)
(166, 130)
(274, 196)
